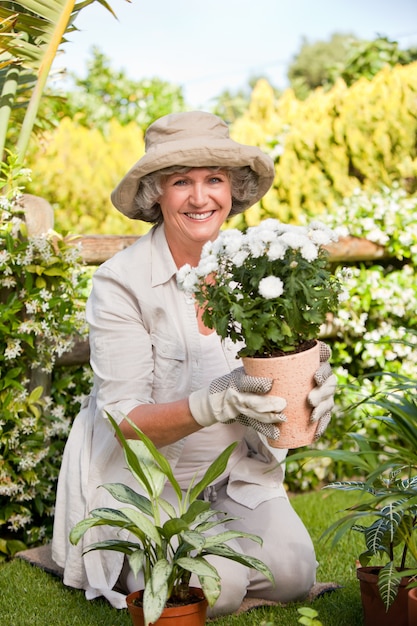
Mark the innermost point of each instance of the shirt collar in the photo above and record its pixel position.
(163, 264)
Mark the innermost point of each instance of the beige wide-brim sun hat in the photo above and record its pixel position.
(192, 139)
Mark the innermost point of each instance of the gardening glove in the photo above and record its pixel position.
(322, 396)
(237, 397)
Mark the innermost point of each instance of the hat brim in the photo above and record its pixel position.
(193, 153)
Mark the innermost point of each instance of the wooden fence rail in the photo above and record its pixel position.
(95, 249)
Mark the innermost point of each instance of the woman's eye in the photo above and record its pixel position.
(180, 182)
(215, 179)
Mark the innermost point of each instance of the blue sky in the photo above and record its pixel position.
(208, 46)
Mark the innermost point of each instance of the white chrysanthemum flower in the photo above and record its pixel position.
(270, 224)
(231, 241)
(271, 287)
(207, 265)
(212, 247)
(294, 240)
(277, 250)
(240, 257)
(308, 251)
(341, 231)
(343, 295)
(255, 245)
(187, 277)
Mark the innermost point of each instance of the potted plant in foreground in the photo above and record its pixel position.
(169, 543)
(270, 288)
(386, 512)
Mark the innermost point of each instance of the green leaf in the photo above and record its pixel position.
(213, 472)
(124, 493)
(154, 603)
(308, 612)
(173, 527)
(142, 524)
(136, 560)
(227, 535)
(194, 538)
(156, 592)
(161, 572)
(195, 510)
(248, 561)
(116, 545)
(198, 566)
(150, 474)
(388, 584)
(211, 587)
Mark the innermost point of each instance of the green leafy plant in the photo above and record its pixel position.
(41, 312)
(393, 513)
(308, 616)
(270, 287)
(386, 511)
(167, 552)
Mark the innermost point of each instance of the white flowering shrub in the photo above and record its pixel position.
(387, 218)
(41, 309)
(376, 325)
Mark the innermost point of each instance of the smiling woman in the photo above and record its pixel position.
(156, 362)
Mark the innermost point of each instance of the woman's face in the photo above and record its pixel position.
(194, 206)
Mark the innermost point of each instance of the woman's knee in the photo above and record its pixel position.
(234, 581)
(295, 578)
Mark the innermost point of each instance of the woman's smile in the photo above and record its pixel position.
(200, 216)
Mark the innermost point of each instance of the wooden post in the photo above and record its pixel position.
(39, 218)
(39, 215)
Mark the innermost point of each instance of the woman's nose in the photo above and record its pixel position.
(198, 195)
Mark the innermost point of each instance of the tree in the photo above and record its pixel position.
(231, 105)
(30, 35)
(310, 67)
(106, 93)
(367, 58)
(321, 63)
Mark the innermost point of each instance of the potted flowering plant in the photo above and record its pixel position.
(271, 289)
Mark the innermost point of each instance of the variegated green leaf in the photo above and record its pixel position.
(123, 493)
(198, 566)
(143, 524)
(211, 587)
(136, 560)
(388, 583)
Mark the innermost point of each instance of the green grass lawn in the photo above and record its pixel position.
(31, 597)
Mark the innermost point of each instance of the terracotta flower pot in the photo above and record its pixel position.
(193, 614)
(373, 608)
(293, 376)
(412, 607)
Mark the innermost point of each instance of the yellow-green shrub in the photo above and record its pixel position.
(76, 169)
(333, 142)
(324, 148)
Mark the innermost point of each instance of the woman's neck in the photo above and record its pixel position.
(183, 255)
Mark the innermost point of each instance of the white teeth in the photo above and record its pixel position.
(199, 216)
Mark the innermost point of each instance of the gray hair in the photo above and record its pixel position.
(243, 182)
